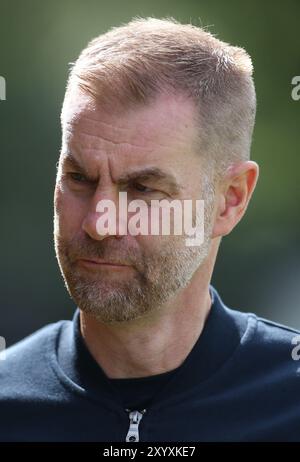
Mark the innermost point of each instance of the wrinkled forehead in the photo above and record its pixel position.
(167, 119)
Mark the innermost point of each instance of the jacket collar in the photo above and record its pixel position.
(219, 338)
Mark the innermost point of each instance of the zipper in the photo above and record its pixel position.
(133, 431)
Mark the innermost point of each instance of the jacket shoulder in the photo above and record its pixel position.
(25, 364)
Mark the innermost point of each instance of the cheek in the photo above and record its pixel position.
(159, 232)
(158, 245)
(69, 212)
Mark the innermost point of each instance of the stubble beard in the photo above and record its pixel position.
(154, 278)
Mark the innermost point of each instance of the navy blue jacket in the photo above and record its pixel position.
(239, 383)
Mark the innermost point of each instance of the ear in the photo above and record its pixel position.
(234, 196)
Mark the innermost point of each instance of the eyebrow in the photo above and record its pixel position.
(144, 174)
(151, 173)
(70, 159)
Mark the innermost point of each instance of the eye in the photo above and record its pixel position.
(77, 177)
(141, 188)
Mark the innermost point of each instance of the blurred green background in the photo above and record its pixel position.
(258, 267)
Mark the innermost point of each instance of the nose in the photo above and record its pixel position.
(102, 217)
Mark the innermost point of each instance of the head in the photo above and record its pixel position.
(159, 110)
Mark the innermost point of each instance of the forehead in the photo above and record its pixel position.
(162, 132)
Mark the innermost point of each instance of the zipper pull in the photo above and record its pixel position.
(133, 432)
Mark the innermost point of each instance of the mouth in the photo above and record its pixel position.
(98, 263)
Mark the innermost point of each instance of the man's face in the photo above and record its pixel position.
(120, 278)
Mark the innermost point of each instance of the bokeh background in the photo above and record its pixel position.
(258, 267)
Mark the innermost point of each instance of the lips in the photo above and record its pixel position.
(101, 262)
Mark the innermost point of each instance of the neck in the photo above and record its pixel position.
(150, 346)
